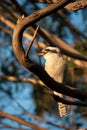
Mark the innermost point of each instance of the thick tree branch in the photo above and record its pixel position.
(77, 5)
(34, 67)
(54, 41)
(72, 6)
(51, 39)
(73, 28)
(68, 102)
(12, 25)
(35, 82)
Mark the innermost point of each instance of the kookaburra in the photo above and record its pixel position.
(55, 66)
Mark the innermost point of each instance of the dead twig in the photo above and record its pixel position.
(29, 47)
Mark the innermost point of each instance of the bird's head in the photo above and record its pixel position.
(50, 51)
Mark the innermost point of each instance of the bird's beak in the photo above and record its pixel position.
(39, 54)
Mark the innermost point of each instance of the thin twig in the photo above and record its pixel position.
(18, 120)
(29, 47)
(23, 79)
(38, 118)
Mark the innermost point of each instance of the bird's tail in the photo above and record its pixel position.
(61, 107)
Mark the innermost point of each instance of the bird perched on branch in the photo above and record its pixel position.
(55, 66)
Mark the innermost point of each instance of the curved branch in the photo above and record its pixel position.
(68, 102)
(54, 41)
(34, 67)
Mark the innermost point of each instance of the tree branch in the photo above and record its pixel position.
(34, 67)
(26, 80)
(66, 49)
(72, 6)
(77, 5)
(68, 102)
(29, 47)
(11, 117)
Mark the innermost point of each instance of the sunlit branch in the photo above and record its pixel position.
(26, 80)
(11, 117)
(47, 36)
(31, 65)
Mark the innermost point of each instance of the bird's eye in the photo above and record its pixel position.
(46, 49)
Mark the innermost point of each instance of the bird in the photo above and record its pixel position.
(55, 66)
